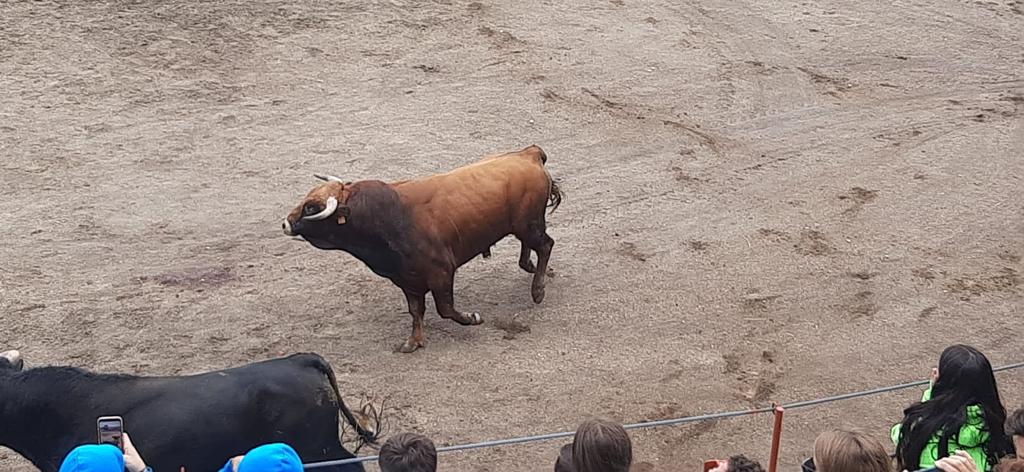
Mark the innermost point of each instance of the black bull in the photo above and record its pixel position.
(197, 421)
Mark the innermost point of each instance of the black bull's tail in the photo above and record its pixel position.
(368, 436)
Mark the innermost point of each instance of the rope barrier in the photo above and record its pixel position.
(666, 422)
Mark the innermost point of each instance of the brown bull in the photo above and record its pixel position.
(418, 232)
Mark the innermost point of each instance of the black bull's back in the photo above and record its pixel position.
(200, 421)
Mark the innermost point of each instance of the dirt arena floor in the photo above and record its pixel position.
(766, 201)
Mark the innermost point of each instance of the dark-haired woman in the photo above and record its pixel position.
(961, 410)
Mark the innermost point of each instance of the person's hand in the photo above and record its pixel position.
(132, 460)
(959, 462)
(235, 462)
(722, 466)
(935, 375)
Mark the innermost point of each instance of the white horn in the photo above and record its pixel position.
(328, 178)
(332, 206)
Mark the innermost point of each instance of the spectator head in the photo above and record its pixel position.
(408, 452)
(850, 451)
(1010, 465)
(742, 464)
(737, 463)
(601, 446)
(964, 378)
(564, 461)
(1015, 429)
(94, 458)
(275, 457)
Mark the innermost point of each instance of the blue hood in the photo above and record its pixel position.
(94, 458)
(276, 457)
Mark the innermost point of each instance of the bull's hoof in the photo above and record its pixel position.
(528, 267)
(475, 319)
(538, 294)
(411, 345)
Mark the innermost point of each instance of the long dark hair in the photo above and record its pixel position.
(965, 378)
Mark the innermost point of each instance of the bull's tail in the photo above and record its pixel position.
(554, 195)
(368, 436)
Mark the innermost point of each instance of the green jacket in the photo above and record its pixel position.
(972, 438)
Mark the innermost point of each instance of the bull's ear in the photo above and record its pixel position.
(343, 214)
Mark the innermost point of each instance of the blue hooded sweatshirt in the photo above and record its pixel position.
(276, 457)
(94, 458)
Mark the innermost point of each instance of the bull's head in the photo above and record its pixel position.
(323, 209)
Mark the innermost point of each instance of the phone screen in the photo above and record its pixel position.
(110, 431)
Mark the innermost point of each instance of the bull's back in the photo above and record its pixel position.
(473, 206)
(233, 410)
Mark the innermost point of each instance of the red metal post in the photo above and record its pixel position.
(773, 463)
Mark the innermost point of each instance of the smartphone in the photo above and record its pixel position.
(110, 430)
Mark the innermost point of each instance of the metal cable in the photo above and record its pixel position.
(666, 422)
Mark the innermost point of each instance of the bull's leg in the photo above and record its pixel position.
(524, 259)
(444, 298)
(417, 307)
(540, 242)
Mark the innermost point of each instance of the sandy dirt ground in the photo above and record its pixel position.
(766, 201)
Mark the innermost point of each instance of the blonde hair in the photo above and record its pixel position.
(850, 451)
